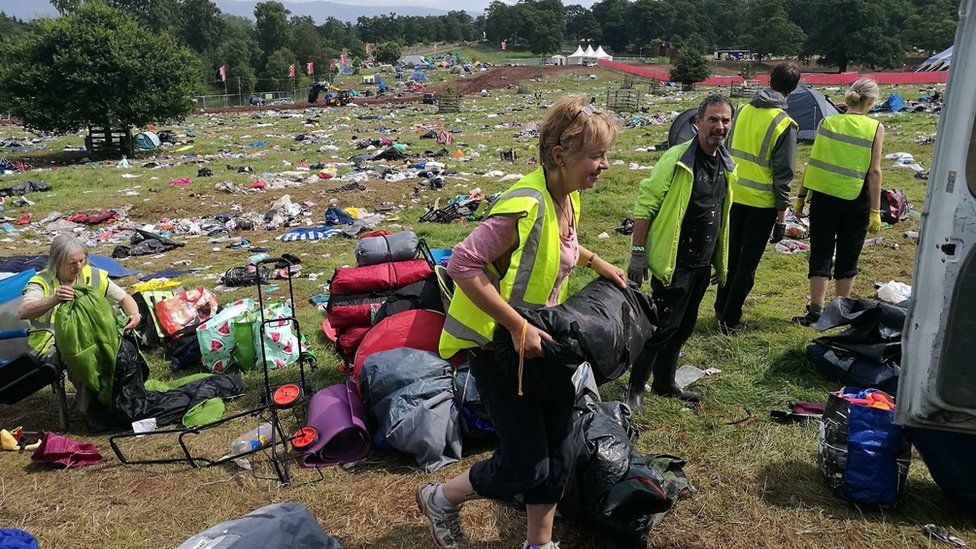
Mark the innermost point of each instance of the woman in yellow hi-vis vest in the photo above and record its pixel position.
(67, 266)
(520, 256)
(846, 155)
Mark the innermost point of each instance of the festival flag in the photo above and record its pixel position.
(342, 60)
(503, 45)
(223, 73)
(310, 68)
(369, 48)
(291, 71)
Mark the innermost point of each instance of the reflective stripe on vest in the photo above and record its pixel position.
(841, 155)
(49, 283)
(532, 271)
(754, 132)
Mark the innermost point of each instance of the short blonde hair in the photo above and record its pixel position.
(863, 92)
(578, 127)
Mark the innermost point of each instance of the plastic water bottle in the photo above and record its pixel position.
(252, 440)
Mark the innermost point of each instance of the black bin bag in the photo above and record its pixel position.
(614, 490)
(602, 324)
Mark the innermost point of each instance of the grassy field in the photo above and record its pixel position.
(757, 481)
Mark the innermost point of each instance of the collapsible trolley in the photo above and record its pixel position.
(288, 401)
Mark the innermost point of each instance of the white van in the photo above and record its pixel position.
(937, 387)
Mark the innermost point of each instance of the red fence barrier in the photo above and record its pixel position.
(812, 78)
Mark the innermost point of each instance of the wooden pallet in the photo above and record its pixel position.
(448, 103)
(108, 141)
(623, 100)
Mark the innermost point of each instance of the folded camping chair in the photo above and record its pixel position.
(444, 280)
(26, 373)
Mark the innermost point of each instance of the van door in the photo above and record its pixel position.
(937, 387)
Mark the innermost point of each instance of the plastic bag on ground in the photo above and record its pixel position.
(186, 308)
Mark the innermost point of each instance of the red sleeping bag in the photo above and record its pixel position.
(385, 277)
(349, 340)
(353, 311)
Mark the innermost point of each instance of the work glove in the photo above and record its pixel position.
(798, 204)
(779, 231)
(874, 222)
(637, 270)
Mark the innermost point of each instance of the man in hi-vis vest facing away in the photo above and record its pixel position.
(763, 145)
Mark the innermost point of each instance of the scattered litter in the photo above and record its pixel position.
(790, 246)
(939, 533)
(894, 292)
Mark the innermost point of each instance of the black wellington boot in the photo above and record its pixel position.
(664, 384)
(639, 374)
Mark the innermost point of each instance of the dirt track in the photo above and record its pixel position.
(491, 79)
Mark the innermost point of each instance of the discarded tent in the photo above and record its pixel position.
(683, 128)
(938, 62)
(894, 103)
(808, 107)
(867, 354)
(25, 187)
(277, 526)
(146, 140)
(410, 393)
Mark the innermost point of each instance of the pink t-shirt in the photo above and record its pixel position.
(495, 236)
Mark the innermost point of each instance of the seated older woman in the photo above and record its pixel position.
(67, 266)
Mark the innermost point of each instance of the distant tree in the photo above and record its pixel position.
(544, 21)
(306, 42)
(162, 16)
(651, 19)
(690, 67)
(96, 67)
(11, 28)
(388, 52)
(200, 25)
(276, 69)
(501, 22)
(133, 7)
(863, 32)
(616, 27)
(581, 24)
(766, 30)
(271, 26)
(239, 55)
(932, 27)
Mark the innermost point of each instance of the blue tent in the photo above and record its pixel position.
(894, 103)
(418, 76)
(938, 62)
(808, 107)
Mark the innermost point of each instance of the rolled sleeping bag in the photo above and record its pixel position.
(374, 250)
(339, 416)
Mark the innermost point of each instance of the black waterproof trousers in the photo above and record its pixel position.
(749, 231)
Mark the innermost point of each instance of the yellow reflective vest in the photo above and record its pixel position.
(755, 132)
(531, 274)
(90, 276)
(841, 155)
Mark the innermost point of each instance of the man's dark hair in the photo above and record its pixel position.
(713, 100)
(784, 77)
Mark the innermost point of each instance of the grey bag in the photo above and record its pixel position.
(374, 250)
(411, 394)
(277, 526)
